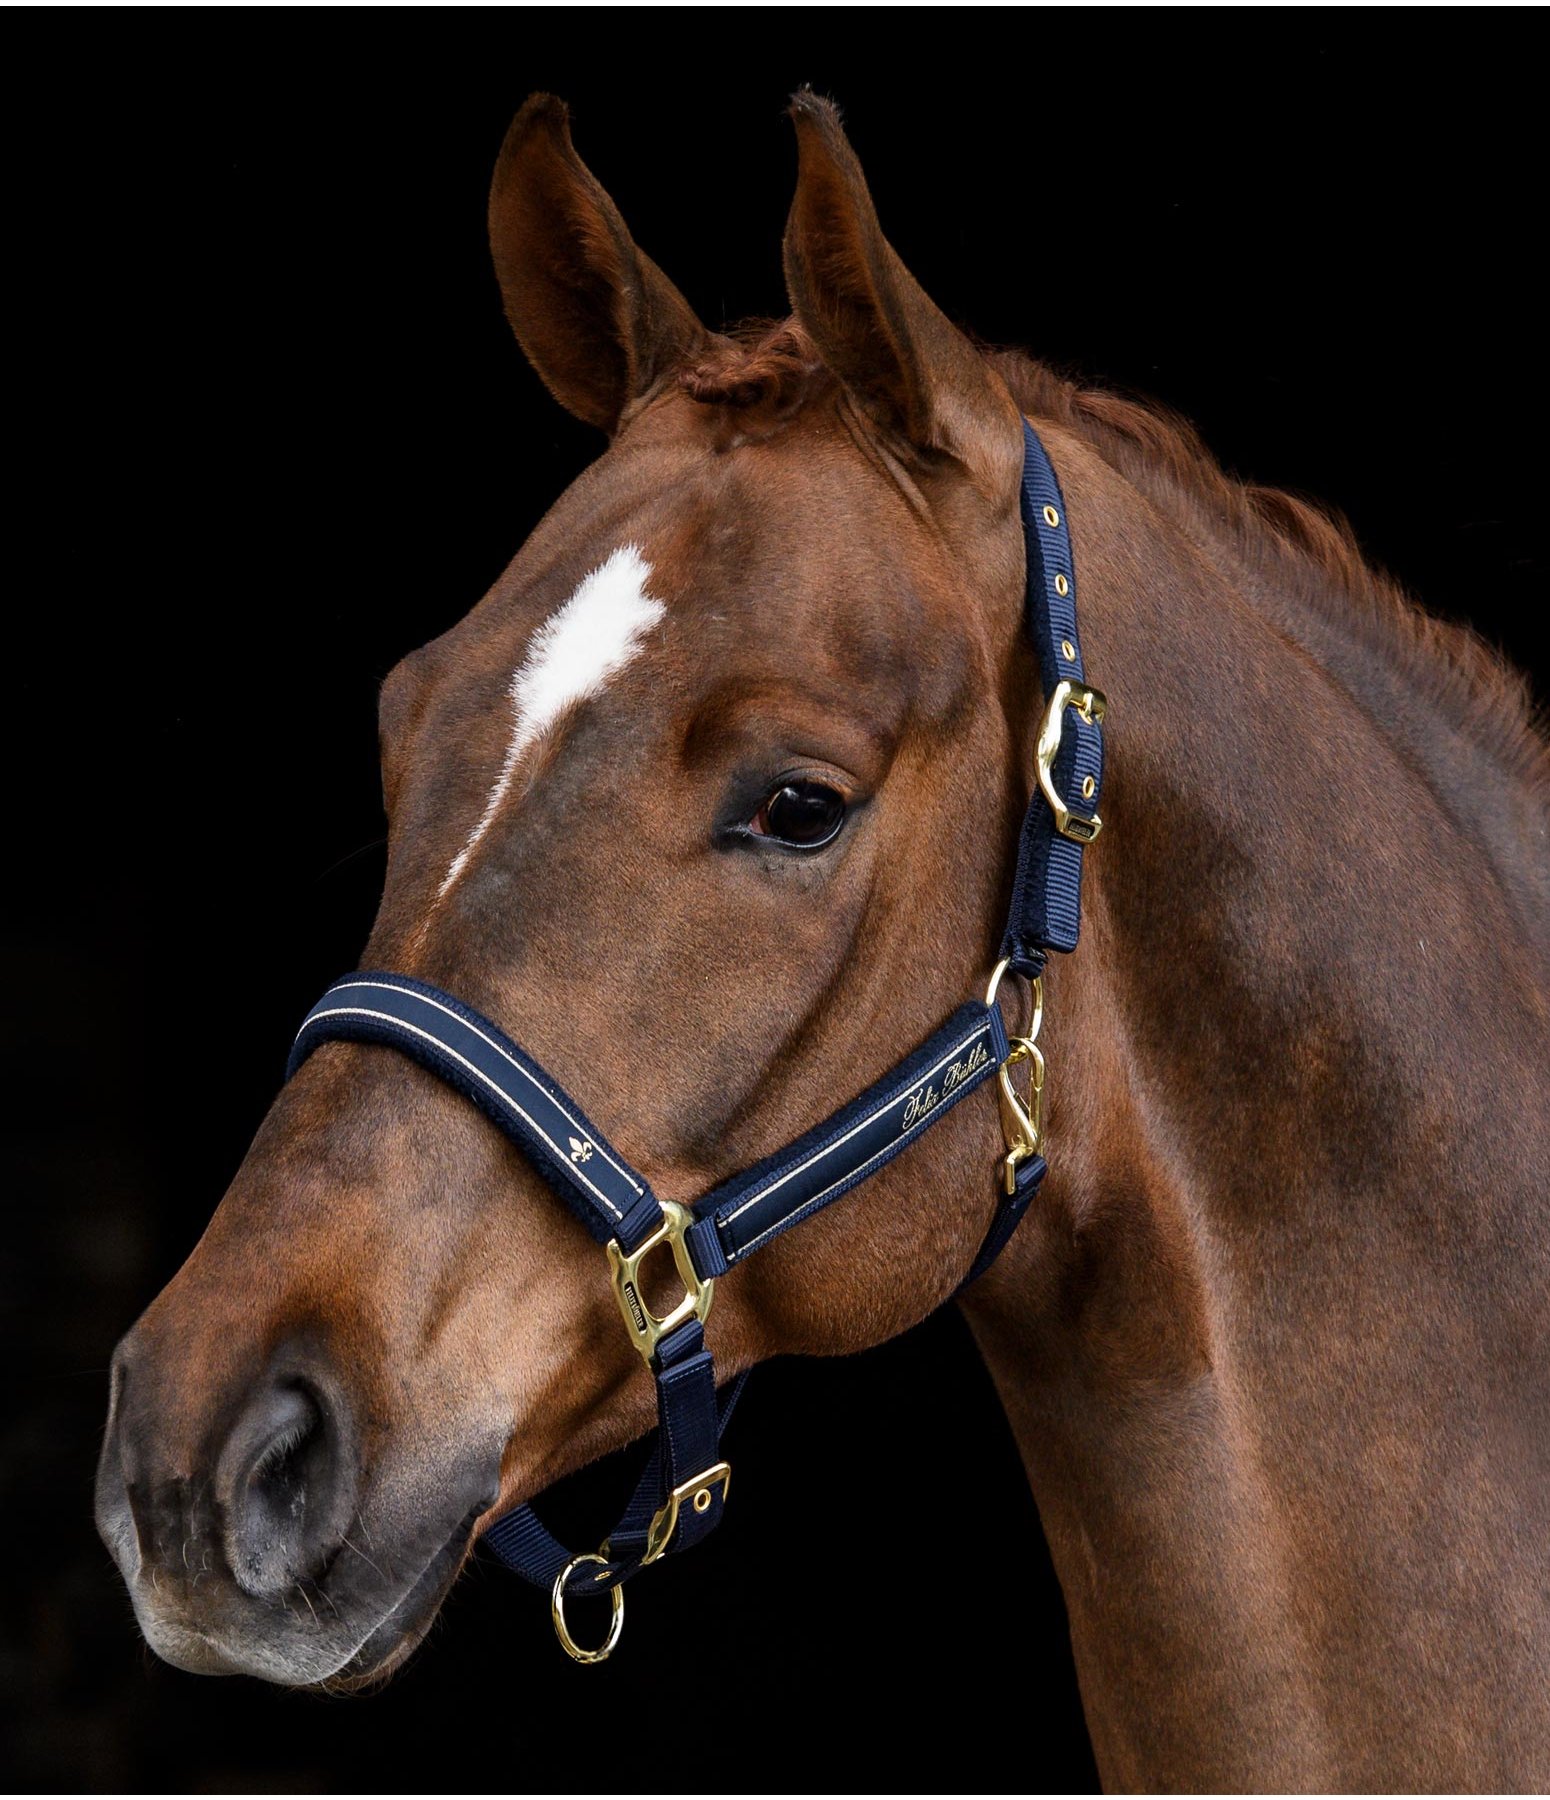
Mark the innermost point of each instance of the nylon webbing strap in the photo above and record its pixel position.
(466, 1051)
(691, 1418)
(746, 1212)
(1046, 908)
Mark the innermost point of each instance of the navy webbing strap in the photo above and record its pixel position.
(462, 1048)
(682, 1492)
(1046, 906)
(1009, 1212)
(473, 1055)
(692, 1418)
(746, 1212)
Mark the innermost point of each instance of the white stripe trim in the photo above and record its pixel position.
(392, 987)
(860, 1125)
(366, 1012)
(818, 1199)
(856, 1174)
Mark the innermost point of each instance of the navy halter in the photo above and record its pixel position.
(683, 1490)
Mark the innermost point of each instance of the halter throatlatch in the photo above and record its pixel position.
(683, 1489)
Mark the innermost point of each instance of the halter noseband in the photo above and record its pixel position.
(682, 1492)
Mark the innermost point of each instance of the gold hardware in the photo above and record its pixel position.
(1022, 1115)
(1022, 1119)
(1062, 586)
(646, 1329)
(557, 1612)
(697, 1492)
(1051, 517)
(1036, 989)
(1068, 649)
(1082, 828)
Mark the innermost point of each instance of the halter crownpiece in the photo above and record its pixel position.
(683, 1489)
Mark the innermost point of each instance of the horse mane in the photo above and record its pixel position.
(1451, 665)
(772, 364)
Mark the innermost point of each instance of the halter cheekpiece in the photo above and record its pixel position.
(683, 1489)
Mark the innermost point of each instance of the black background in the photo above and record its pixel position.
(275, 434)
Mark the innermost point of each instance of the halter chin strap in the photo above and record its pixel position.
(683, 1490)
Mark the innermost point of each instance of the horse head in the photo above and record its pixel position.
(712, 801)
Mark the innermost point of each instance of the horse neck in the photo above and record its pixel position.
(1274, 1341)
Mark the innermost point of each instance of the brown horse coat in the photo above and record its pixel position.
(1275, 1340)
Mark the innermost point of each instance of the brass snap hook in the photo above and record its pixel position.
(1022, 1117)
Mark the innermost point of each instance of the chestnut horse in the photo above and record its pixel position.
(1275, 1338)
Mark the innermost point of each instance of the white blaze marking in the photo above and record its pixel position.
(570, 658)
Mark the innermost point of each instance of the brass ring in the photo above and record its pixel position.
(1036, 984)
(557, 1612)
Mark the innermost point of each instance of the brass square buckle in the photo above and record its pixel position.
(1081, 827)
(646, 1329)
(697, 1493)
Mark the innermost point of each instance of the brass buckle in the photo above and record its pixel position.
(1082, 828)
(557, 1612)
(1022, 1118)
(697, 1492)
(645, 1328)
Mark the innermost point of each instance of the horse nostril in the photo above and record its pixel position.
(289, 1463)
(286, 1486)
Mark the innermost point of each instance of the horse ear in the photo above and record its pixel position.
(598, 320)
(873, 324)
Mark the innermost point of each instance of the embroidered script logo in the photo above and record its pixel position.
(927, 1098)
(580, 1150)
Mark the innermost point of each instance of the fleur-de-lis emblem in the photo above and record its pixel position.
(580, 1150)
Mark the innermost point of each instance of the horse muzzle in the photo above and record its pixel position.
(256, 1541)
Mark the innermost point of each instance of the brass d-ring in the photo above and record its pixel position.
(1036, 988)
(557, 1612)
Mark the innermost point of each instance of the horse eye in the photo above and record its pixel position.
(805, 814)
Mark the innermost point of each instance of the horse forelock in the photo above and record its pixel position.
(762, 362)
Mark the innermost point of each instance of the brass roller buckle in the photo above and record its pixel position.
(696, 1492)
(1082, 828)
